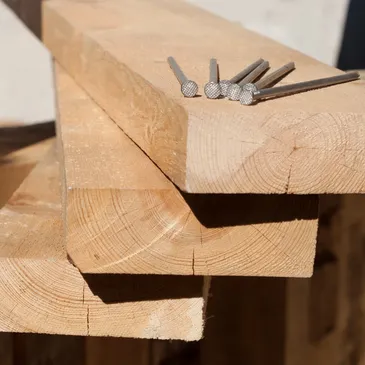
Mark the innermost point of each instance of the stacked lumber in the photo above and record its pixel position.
(165, 192)
(15, 166)
(307, 143)
(43, 292)
(124, 216)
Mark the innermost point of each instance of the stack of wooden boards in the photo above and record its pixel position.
(128, 142)
(137, 221)
(310, 143)
(43, 292)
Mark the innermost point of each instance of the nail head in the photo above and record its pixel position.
(224, 84)
(234, 92)
(246, 97)
(189, 88)
(212, 90)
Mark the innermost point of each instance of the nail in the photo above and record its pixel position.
(189, 88)
(224, 84)
(212, 89)
(270, 79)
(249, 97)
(235, 90)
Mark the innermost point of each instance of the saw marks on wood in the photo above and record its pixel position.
(124, 216)
(42, 292)
(307, 143)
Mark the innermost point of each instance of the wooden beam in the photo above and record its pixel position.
(42, 292)
(303, 144)
(124, 216)
(15, 166)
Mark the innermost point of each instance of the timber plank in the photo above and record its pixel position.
(124, 216)
(15, 166)
(307, 143)
(42, 292)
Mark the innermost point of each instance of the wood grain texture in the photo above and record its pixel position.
(15, 166)
(302, 144)
(42, 292)
(124, 216)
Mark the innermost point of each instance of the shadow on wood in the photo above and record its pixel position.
(224, 210)
(14, 138)
(136, 288)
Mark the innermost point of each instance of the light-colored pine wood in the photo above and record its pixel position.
(42, 292)
(15, 166)
(302, 144)
(124, 216)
